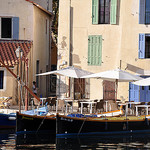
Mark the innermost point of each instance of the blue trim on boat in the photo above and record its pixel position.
(103, 133)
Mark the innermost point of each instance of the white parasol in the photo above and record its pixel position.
(143, 82)
(70, 71)
(116, 75)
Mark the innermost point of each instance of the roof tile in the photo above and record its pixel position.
(8, 47)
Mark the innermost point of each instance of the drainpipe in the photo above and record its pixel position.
(70, 63)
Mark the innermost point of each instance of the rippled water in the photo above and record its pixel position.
(9, 140)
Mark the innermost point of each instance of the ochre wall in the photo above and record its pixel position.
(119, 42)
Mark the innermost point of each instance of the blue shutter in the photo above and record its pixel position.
(15, 32)
(147, 12)
(133, 92)
(142, 12)
(141, 45)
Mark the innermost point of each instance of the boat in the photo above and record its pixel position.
(114, 113)
(26, 123)
(7, 121)
(77, 126)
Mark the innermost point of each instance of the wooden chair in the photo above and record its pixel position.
(53, 103)
(4, 102)
(100, 106)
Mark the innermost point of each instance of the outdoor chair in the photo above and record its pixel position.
(53, 104)
(4, 102)
(100, 106)
(85, 106)
(35, 102)
(141, 110)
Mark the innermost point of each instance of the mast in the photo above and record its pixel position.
(21, 82)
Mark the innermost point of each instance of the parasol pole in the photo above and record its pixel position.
(116, 90)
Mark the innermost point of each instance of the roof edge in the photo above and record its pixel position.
(40, 7)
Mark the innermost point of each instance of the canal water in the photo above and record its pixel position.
(10, 141)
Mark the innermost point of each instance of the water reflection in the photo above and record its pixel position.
(36, 141)
(9, 140)
(105, 142)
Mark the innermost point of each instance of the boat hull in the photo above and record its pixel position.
(69, 126)
(7, 121)
(33, 123)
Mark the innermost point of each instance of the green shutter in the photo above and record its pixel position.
(95, 50)
(113, 12)
(94, 11)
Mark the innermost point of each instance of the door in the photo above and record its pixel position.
(133, 92)
(108, 90)
(144, 93)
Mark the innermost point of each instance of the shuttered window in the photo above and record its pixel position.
(141, 45)
(9, 28)
(104, 11)
(144, 11)
(15, 33)
(95, 50)
(95, 11)
(133, 92)
(113, 11)
(144, 46)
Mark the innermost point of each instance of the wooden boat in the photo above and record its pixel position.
(7, 121)
(35, 123)
(70, 126)
(111, 113)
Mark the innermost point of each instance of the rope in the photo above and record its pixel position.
(81, 127)
(40, 124)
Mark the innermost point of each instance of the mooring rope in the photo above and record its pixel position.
(81, 127)
(40, 124)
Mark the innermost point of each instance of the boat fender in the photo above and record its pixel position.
(11, 118)
(125, 126)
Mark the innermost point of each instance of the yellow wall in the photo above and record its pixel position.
(32, 26)
(120, 41)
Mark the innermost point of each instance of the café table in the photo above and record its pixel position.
(132, 103)
(68, 101)
(42, 99)
(87, 102)
(144, 106)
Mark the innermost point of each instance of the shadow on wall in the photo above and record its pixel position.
(76, 59)
(135, 69)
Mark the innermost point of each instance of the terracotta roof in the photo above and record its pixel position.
(40, 7)
(8, 47)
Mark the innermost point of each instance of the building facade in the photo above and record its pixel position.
(26, 24)
(100, 35)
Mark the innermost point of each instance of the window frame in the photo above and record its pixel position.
(14, 27)
(4, 79)
(142, 12)
(112, 12)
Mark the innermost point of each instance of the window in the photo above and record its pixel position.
(1, 79)
(144, 45)
(6, 27)
(9, 28)
(95, 50)
(104, 11)
(144, 14)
